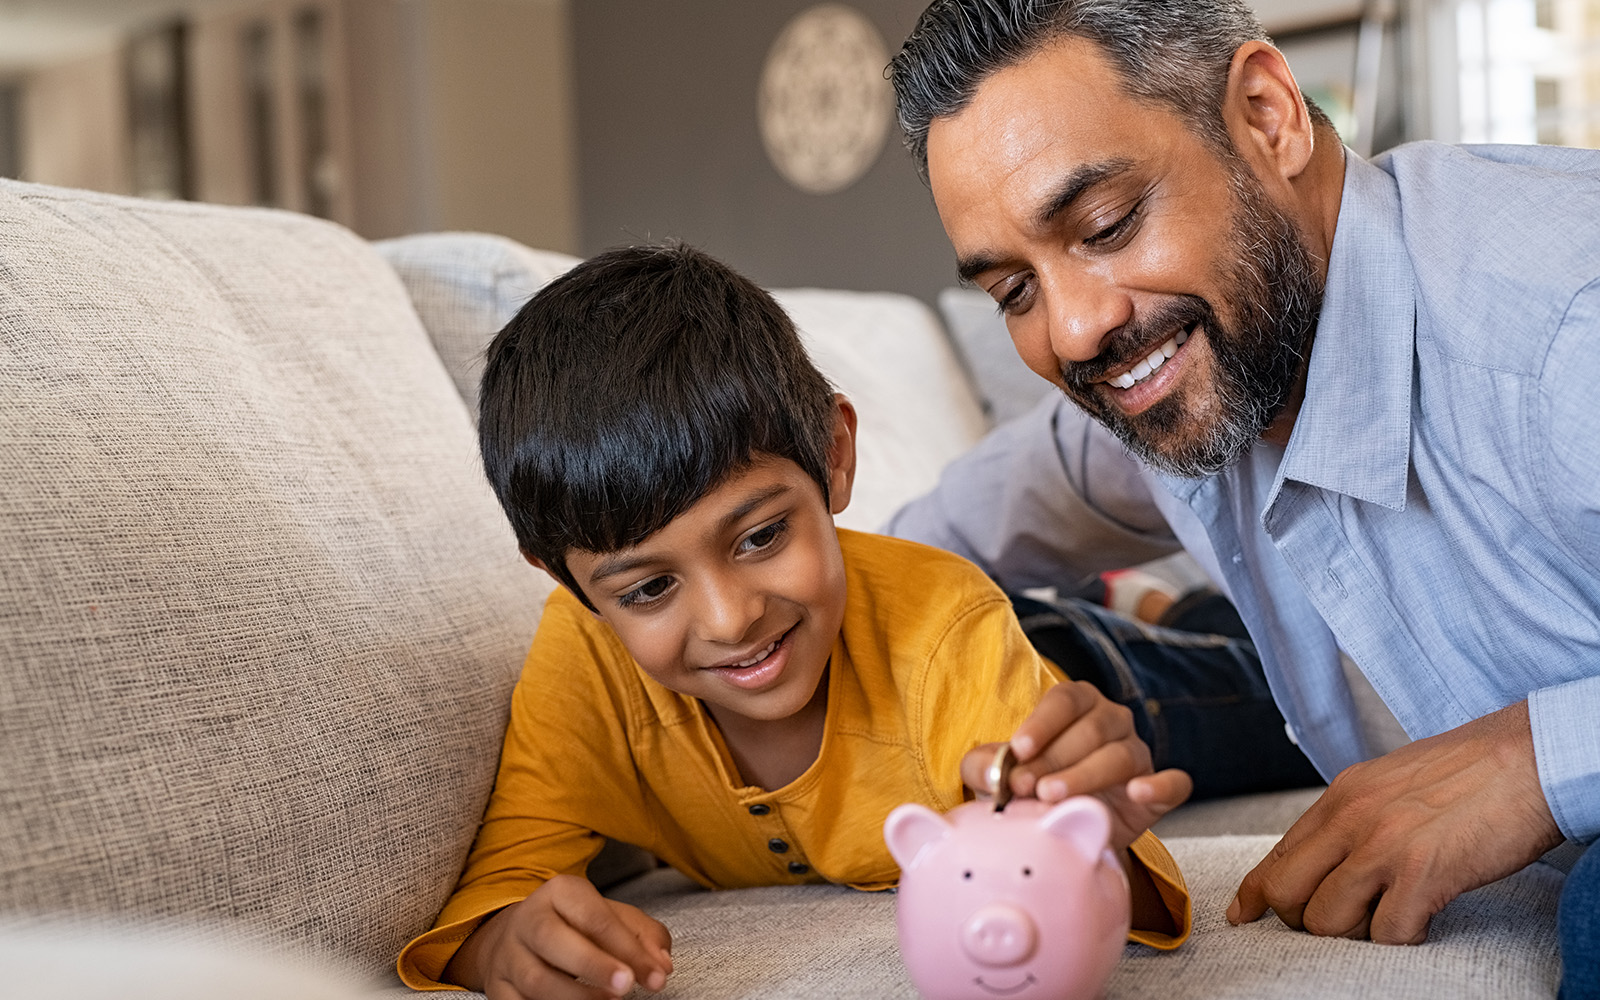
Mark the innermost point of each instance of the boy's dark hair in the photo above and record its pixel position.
(630, 387)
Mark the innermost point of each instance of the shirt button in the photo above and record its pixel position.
(777, 846)
(798, 868)
(760, 809)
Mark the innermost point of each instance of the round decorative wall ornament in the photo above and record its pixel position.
(824, 105)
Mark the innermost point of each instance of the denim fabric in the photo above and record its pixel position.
(1200, 701)
(1578, 921)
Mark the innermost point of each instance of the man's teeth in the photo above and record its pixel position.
(1148, 366)
(759, 656)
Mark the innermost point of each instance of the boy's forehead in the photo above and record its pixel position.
(765, 480)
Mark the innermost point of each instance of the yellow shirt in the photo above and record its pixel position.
(930, 662)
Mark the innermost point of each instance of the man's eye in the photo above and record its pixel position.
(764, 537)
(1015, 297)
(1111, 234)
(646, 593)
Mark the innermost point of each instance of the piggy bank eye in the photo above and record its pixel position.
(967, 874)
(1026, 872)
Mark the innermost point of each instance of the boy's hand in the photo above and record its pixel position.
(565, 931)
(1077, 742)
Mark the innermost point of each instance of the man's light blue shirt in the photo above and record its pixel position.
(1436, 511)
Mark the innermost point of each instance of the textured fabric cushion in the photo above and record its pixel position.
(465, 287)
(1006, 386)
(917, 409)
(259, 613)
(887, 352)
(827, 941)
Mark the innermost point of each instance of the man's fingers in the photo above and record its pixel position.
(1286, 878)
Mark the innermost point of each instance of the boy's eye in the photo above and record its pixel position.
(648, 592)
(765, 537)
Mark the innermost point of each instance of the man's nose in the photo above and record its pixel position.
(1084, 308)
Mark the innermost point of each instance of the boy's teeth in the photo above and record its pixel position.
(759, 656)
(1147, 367)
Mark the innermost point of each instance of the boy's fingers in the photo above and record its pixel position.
(655, 937)
(528, 977)
(975, 768)
(1108, 765)
(579, 934)
(1163, 791)
(1058, 708)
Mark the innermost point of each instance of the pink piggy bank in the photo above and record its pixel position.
(1028, 902)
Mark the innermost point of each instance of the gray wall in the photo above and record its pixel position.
(668, 146)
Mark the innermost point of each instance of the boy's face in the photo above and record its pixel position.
(739, 599)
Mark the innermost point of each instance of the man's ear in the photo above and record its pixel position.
(1266, 115)
(841, 454)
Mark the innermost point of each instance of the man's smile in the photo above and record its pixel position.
(1148, 365)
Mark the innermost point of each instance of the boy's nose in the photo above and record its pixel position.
(728, 610)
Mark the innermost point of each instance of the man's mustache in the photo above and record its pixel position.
(1136, 338)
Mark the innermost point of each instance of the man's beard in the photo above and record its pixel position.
(1274, 295)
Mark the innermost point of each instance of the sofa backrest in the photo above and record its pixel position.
(259, 612)
(887, 352)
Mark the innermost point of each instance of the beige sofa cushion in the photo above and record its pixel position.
(465, 287)
(259, 613)
(796, 943)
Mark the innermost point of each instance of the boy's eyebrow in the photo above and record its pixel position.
(751, 502)
(623, 563)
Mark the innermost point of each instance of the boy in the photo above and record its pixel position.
(725, 678)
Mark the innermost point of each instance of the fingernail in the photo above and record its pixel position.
(621, 981)
(657, 980)
(1233, 911)
(1052, 789)
(1023, 745)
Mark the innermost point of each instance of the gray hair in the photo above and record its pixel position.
(1173, 53)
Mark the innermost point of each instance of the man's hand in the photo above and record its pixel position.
(1077, 742)
(565, 931)
(1394, 839)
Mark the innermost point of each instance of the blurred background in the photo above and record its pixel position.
(758, 129)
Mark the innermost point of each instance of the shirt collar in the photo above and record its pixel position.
(1353, 432)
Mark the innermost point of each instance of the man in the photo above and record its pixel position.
(1359, 393)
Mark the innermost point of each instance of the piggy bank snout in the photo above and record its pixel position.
(999, 935)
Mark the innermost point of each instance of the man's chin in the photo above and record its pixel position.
(1167, 436)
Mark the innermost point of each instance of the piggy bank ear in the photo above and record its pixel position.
(1083, 822)
(909, 829)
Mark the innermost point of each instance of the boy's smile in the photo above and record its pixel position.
(738, 601)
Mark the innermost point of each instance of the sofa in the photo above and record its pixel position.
(260, 617)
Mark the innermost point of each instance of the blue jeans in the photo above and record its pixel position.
(1199, 699)
(1578, 922)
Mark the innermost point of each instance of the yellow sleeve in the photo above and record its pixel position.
(983, 678)
(1150, 852)
(565, 774)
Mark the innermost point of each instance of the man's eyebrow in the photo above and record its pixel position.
(1071, 188)
(623, 562)
(1075, 184)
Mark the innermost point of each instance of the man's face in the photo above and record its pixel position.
(1147, 276)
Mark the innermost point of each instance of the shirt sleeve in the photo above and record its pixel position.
(1566, 739)
(1049, 499)
(1150, 852)
(565, 771)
